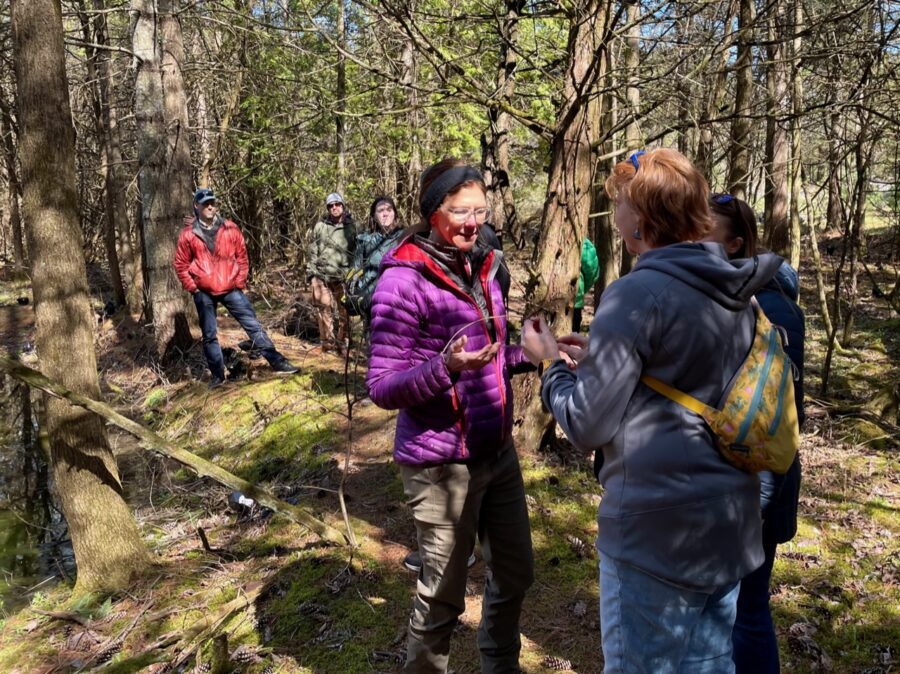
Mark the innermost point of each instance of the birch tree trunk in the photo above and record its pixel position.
(413, 168)
(108, 548)
(796, 136)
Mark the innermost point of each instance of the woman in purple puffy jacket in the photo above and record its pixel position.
(439, 356)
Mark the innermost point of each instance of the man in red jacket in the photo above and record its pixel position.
(211, 263)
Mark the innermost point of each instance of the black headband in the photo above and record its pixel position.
(437, 190)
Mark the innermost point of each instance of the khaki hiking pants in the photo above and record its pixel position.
(452, 504)
(327, 298)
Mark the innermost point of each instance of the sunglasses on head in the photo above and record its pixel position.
(634, 159)
(722, 199)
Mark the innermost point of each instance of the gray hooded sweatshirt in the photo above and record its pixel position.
(673, 507)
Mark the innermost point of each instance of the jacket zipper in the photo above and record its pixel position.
(500, 382)
(460, 422)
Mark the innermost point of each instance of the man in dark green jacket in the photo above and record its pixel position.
(332, 243)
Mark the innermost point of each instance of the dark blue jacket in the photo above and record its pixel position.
(779, 494)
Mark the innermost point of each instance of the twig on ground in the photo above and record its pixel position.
(150, 440)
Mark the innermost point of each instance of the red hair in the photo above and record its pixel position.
(668, 193)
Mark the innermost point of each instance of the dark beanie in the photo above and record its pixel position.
(432, 198)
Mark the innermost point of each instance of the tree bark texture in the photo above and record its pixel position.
(413, 168)
(633, 140)
(496, 151)
(863, 156)
(100, 109)
(633, 137)
(161, 195)
(796, 135)
(557, 254)
(175, 101)
(715, 93)
(777, 225)
(20, 257)
(108, 548)
(603, 230)
(340, 105)
(741, 127)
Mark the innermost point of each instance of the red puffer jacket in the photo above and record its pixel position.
(215, 273)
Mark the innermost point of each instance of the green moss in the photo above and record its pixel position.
(155, 398)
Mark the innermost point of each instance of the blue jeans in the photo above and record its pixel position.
(240, 308)
(755, 646)
(651, 627)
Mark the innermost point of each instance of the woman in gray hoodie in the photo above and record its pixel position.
(679, 526)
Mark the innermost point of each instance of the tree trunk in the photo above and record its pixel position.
(605, 235)
(741, 128)
(796, 135)
(413, 168)
(20, 258)
(108, 548)
(100, 109)
(496, 152)
(161, 195)
(176, 112)
(817, 263)
(777, 226)
(557, 253)
(340, 105)
(633, 136)
(633, 140)
(863, 160)
(715, 93)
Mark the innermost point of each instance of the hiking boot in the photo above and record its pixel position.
(285, 367)
(216, 381)
(413, 561)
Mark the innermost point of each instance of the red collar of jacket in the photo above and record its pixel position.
(408, 251)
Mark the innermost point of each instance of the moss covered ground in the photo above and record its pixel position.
(836, 597)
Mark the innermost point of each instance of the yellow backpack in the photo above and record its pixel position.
(756, 425)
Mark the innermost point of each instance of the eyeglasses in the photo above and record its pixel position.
(721, 198)
(207, 204)
(634, 159)
(461, 215)
(335, 205)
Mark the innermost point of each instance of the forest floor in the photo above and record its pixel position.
(836, 586)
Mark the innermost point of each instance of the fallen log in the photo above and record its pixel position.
(150, 440)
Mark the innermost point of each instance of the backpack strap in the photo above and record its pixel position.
(679, 397)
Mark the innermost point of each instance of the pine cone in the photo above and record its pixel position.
(559, 664)
(269, 669)
(578, 546)
(202, 668)
(107, 653)
(243, 655)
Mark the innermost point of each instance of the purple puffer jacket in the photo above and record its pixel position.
(417, 310)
